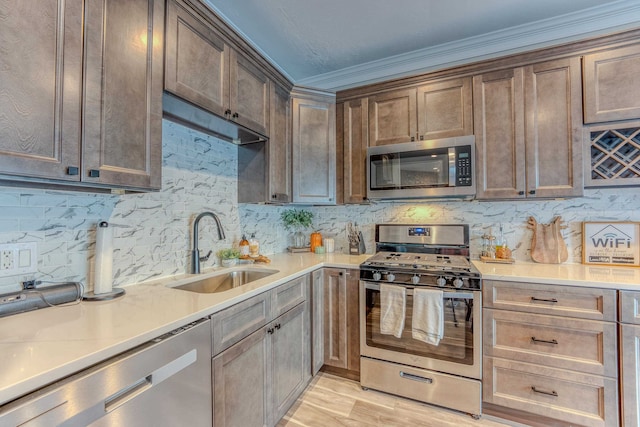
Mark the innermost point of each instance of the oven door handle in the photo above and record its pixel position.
(446, 294)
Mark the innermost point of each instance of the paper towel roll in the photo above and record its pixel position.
(103, 276)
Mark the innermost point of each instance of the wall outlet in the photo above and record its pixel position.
(7, 260)
(18, 258)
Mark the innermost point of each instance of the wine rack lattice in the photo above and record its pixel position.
(615, 154)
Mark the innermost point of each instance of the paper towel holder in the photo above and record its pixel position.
(104, 249)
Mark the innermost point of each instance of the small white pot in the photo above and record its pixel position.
(229, 262)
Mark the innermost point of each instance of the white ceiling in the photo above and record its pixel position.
(335, 44)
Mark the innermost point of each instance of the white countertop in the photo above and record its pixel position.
(42, 346)
(595, 276)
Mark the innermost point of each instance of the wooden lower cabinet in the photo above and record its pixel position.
(550, 354)
(630, 357)
(341, 324)
(566, 397)
(317, 320)
(256, 381)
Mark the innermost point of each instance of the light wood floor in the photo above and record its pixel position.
(333, 401)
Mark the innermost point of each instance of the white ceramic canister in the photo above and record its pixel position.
(329, 245)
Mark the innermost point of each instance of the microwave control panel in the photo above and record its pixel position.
(463, 166)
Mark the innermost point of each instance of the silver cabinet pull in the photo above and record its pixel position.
(551, 300)
(415, 377)
(536, 340)
(548, 393)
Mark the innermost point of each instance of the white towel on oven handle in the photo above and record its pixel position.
(393, 301)
(427, 322)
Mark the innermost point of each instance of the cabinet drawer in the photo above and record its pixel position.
(237, 322)
(288, 295)
(579, 345)
(461, 394)
(582, 399)
(568, 301)
(630, 307)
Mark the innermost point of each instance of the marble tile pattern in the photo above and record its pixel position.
(152, 231)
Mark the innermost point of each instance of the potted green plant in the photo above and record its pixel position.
(228, 257)
(297, 220)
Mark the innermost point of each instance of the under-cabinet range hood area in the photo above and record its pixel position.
(185, 113)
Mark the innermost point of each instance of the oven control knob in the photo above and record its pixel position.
(415, 279)
(441, 281)
(391, 277)
(377, 276)
(457, 282)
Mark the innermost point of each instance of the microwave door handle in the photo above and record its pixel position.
(452, 166)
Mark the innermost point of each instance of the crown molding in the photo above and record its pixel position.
(612, 17)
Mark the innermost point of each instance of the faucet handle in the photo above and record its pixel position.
(206, 257)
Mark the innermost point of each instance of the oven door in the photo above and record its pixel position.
(459, 352)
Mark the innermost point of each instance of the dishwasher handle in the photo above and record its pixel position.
(128, 393)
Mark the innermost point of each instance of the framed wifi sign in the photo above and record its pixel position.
(611, 243)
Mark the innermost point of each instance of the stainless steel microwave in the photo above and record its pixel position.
(423, 169)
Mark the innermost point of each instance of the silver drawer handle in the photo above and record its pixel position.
(536, 340)
(548, 393)
(552, 300)
(416, 377)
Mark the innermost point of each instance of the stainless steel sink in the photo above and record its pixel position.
(225, 281)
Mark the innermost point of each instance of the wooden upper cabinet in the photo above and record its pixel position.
(119, 47)
(528, 131)
(355, 138)
(313, 147)
(122, 134)
(554, 129)
(499, 130)
(197, 60)
(445, 109)
(248, 94)
(612, 85)
(392, 117)
(39, 115)
(203, 68)
(279, 161)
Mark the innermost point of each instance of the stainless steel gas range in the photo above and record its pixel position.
(420, 316)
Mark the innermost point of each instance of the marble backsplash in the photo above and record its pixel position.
(152, 231)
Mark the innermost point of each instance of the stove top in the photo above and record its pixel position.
(419, 261)
(428, 255)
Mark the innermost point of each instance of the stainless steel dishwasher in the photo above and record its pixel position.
(164, 382)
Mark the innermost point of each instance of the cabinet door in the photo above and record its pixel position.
(279, 161)
(612, 85)
(197, 60)
(335, 318)
(553, 126)
(317, 321)
(353, 324)
(355, 139)
(498, 104)
(314, 151)
(445, 109)
(392, 117)
(40, 88)
(241, 376)
(122, 131)
(290, 358)
(248, 94)
(630, 361)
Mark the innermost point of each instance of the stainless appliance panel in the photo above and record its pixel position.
(432, 234)
(165, 382)
(450, 391)
(422, 169)
(460, 350)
